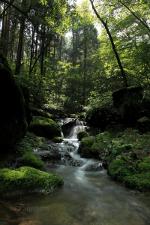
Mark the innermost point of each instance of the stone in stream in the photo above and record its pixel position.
(68, 124)
(93, 166)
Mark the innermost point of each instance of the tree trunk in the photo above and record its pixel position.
(113, 45)
(84, 65)
(20, 42)
(4, 42)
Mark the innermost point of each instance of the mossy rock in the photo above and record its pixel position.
(85, 148)
(82, 135)
(27, 179)
(45, 127)
(30, 159)
(25, 151)
(57, 139)
(13, 123)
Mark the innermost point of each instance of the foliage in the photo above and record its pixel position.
(126, 155)
(27, 179)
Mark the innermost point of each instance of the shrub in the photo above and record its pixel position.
(140, 181)
(25, 151)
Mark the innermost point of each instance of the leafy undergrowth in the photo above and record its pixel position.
(25, 151)
(126, 154)
(28, 179)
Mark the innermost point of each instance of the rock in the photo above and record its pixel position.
(143, 124)
(27, 179)
(45, 127)
(82, 134)
(49, 151)
(93, 166)
(102, 117)
(68, 123)
(13, 122)
(128, 103)
(46, 155)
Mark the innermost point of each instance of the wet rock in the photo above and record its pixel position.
(102, 117)
(49, 152)
(68, 124)
(68, 160)
(93, 166)
(48, 155)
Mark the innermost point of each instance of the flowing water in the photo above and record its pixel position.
(87, 198)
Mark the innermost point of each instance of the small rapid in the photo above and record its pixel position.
(89, 196)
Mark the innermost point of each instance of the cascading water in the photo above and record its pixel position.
(72, 140)
(88, 197)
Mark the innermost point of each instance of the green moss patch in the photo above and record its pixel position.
(26, 156)
(27, 179)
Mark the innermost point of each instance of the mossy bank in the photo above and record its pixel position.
(126, 156)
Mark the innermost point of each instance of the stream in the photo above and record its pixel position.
(88, 197)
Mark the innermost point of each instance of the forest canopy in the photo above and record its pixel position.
(74, 55)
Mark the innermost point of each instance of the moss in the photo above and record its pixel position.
(85, 146)
(126, 155)
(140, 181)
(57, 139)
(82, 135)
(45, 127)
(25, 151)
(27, 178)
(95, 146)
(30, 159)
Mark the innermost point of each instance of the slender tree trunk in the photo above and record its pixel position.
(32, 49)
(42, 52)
(112, 43)
(4, 42)
(20, 42)
(84, 65)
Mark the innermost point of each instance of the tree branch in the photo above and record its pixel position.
(112, 44)
(136, 16)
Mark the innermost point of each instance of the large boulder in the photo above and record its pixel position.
(67, 125)
(102, 117)
(128, 103)
(13, 123)
(45, 127)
